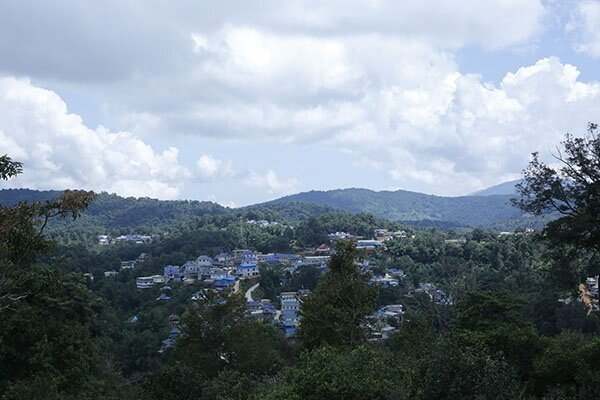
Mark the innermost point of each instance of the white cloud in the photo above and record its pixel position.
(69, 40)
(376, 79)
(272, 183)
(585, 26)
(59, 151)
(209, 167)
(464, 133)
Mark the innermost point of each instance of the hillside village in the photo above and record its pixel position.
(239, 270)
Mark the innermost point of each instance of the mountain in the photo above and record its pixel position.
(401, 205)
(505, 188)
(114, 213)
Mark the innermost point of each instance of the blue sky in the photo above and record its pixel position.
(240, 102)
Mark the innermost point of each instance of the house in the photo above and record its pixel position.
(135, 238)
(396, 273)
(340, 236)
(127, 265)
(290, 306)
(317, 261)
(172, 272)
(190, 270)
(216, 273)
(592, 285)
(277, 258)
(438, 296)
(110, 274)
(392, 312)
(263, 310)
(144, 282)
(224, 281)
(369, 244)
(323, 250)
(103, 240)
(457, 242)
(384, 322)
(204, 261)
(384, 234)
(223, 258)
(242, 254)
(247, 269)
(384, 281)
(163, 297)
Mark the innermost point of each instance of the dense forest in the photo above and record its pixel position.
(487, 316)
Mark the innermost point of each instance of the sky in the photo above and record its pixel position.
(240, 102)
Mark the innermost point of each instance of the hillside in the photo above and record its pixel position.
(473, 211)
(110, 212)
(505, 188)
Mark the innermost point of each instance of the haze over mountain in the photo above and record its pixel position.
(505, 188)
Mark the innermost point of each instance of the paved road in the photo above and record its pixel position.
(249, 293)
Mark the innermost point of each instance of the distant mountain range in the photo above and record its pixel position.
(489, 208)
(484, 210)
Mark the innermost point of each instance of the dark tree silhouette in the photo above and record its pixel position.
(571, 190)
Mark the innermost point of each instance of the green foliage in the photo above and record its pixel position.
(572, 191)
(333, 314)
(362, 373)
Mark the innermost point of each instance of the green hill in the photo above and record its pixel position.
(111, 212)
(401, 205)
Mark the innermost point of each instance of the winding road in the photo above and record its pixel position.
(249, 292)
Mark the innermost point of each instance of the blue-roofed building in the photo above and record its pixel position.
(224, 281)
(247, 269)
(279, 258)
(290, 305)
(172, 272)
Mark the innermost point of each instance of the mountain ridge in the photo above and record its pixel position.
(484, 211)
(403, 205)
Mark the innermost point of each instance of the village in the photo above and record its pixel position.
(238, 272)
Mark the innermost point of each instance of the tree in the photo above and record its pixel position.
(48, 344)
(363, 373)
(219, 348)
(334, 313)
(571, 191)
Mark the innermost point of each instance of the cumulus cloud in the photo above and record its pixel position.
(466, 133)
(272, 183)
(210, 167)
(59, 151)
(158, 43)
(375, 79)
(585, 26)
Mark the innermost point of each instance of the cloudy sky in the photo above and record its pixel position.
(244, 101)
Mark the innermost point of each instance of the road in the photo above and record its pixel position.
(249, 293)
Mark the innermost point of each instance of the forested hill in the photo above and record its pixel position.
(475, 211)
(110, 212)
